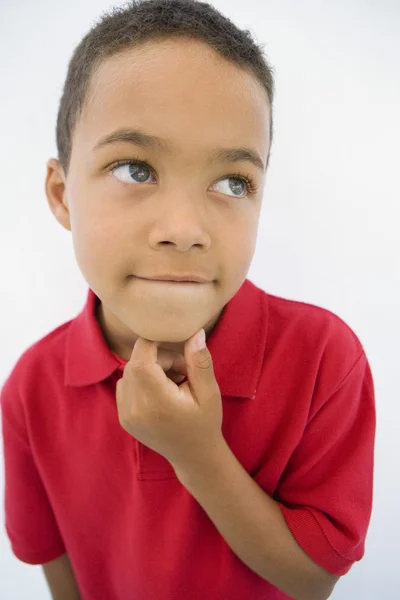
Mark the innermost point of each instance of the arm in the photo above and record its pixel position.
(252, 524)
(61, 580)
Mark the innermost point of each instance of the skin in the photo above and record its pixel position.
(189, 215)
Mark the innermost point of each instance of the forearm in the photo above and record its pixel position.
(253, 526)
(61, 579)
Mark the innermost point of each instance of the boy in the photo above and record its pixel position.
(137, 465)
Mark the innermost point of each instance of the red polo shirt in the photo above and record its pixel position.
(299, 414)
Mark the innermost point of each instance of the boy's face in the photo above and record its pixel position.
(184, 213)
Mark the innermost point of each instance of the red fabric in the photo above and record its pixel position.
(299, 414)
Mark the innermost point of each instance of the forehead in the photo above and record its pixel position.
(181, 89)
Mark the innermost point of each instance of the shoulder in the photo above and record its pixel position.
(314, 324)
(313, 345)
(41, 359)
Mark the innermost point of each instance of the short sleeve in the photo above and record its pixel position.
(326, 491)
(29, 519)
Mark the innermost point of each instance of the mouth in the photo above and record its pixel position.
(181, 277)
(170, 281)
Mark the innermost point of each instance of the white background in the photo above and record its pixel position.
(329, 227)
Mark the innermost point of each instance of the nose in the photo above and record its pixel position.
(180, 224)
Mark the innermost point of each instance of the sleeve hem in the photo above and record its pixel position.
(36, 558)
(309, 535)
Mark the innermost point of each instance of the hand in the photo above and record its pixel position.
(182, 423)
(173, 363)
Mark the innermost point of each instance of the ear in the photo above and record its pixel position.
(56, 192)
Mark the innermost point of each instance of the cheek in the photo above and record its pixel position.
(240, 262)
(242, 243)
(95, 241)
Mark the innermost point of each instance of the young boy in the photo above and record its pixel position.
(252, 478)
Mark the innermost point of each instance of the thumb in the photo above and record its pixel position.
(200, 367)
(198, 341)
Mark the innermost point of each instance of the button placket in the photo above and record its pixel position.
(150, 465)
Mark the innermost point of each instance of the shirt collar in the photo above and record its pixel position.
(237, 344)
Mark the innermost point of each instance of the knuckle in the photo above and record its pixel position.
(204, 362)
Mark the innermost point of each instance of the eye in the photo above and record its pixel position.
(237, 183)
(139, 172)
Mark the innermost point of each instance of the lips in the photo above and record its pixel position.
(192, 278)
(183, 282)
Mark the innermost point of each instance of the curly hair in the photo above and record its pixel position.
(123, 28)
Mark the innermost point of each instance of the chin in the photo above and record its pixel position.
(171, 335)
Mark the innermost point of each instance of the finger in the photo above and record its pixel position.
(144, 353)
(151, 363)
(170, 360)
(179, 365)
(143, 366)
(175, 377)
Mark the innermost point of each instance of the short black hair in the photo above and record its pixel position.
(123, 28)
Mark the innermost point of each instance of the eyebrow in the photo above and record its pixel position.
(139, 138)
